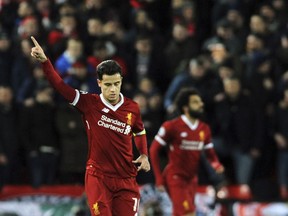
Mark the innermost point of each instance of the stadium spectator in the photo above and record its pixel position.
(82, 77)
(281, 54)
(146, 61)
(281, 139)
(39, 137)
(254, 47)
(179, 50)
(103, 49)
(225, 35)
(72, 143)
(239, 126)
(28, 89)
(58, 37)
(9, 138)
(74, 51)
(197, 76)
(93, 33)
(22, 65)
(6, 58)
(258, 25)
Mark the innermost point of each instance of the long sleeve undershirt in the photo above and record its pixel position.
(56, 81)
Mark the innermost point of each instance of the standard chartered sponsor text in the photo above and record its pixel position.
(112, 124)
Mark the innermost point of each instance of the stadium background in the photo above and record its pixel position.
(157, 43)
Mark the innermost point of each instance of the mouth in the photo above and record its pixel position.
(112, 95)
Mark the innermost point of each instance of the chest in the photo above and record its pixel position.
(103, 118)
(187, 139)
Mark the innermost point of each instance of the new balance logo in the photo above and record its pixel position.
(105, 110)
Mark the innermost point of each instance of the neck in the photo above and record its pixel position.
(116, 101)
(191, 119)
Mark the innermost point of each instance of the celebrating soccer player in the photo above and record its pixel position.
(110, 120)
(186, 137)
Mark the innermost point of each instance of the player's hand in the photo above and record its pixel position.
(220, 169)
(37, 51)
(144, 163)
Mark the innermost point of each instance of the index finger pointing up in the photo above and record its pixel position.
(35, 42)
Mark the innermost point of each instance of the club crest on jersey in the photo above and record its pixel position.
(129, 118)
(183, 134)
(186, 205)
(106, 110)
(202, 135)
(96, 209)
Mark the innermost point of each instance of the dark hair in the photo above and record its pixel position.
(108, 67)
(182, 98)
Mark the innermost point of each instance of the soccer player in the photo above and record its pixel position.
(110, 120)
(186, 136)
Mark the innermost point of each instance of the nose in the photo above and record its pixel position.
(201, 104)
(112, 88)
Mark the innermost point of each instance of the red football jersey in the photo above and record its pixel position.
(109, 128)
(186, 141)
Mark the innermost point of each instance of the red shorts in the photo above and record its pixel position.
(111, 196)
(181, 192)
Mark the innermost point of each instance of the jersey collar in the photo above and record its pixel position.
(112, 107)
(189, 123)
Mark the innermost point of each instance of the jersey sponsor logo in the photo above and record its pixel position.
(191, 145)
(96, 209)
(114, 124)
(106, 110)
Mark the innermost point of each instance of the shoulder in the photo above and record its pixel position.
(204, 125)
(131, 103)
(173, 123)
(87, 96)
(129, 100)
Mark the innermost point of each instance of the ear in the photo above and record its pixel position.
(99, 82)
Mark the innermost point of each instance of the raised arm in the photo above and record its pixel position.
(52, 76)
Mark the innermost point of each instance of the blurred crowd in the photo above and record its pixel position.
(235, 52)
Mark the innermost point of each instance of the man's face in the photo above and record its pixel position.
(232, 88)
(110, 87)
(196, 106)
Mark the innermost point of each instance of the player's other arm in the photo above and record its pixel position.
(210, 152)
(141, 144)
(155, 162)
(140, 140)
(213, 158)
(52, 76)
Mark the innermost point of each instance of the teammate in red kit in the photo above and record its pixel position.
(111, 120)
(186, 137)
